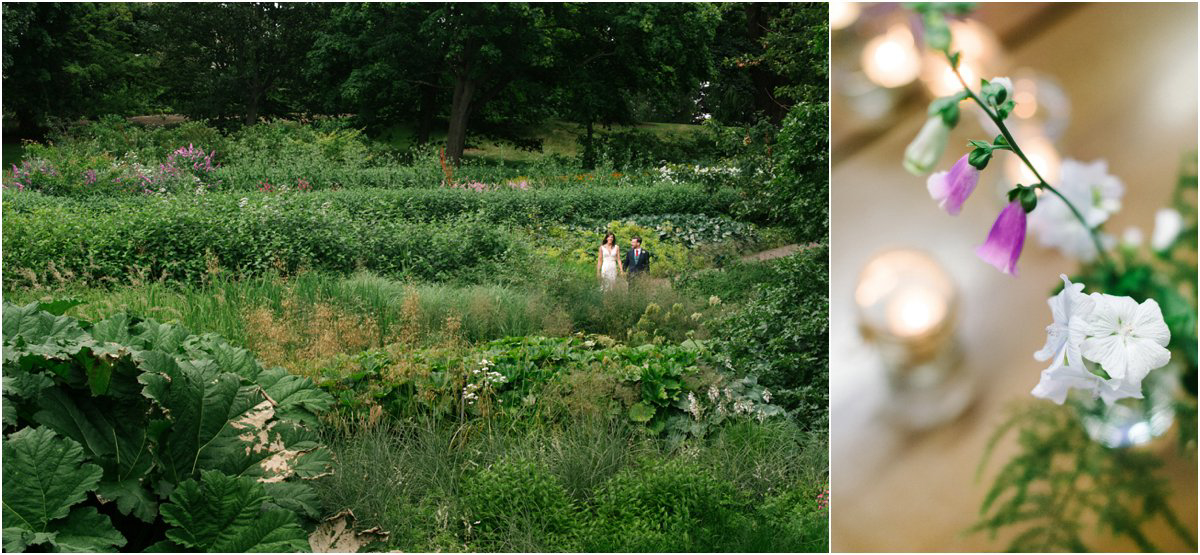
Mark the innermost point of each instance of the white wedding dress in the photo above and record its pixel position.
(608, 268)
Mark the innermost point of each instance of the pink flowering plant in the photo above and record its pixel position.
(63, 171)
(1121, 345)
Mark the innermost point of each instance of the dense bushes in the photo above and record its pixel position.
(186, 240)
(781, 335)
(799, 194)
(115, 156)
(533, 207)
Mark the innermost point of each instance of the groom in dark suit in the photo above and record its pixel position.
(637, 260)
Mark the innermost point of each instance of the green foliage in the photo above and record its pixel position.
(733, 283)
(798, 196)
(74, 60)
(241, 61)
(411, 479)
(1060, 476)
(768, 57)
(689, 230)
(185, 240)
(668, 505)
(671, 390)
(781, 336)
(634, 149)
(147, 408)
(223, 513)
(45, 476)
(518, 499)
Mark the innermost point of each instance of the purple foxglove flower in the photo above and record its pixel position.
(926, 149)
(1004, 241)
(950, 189)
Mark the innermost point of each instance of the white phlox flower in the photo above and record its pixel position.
(1126, 338)
(1058, 380)
(1069, 304)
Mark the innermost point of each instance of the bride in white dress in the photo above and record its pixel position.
(608, 263)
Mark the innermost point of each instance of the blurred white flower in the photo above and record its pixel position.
(1167, 225)
(926, 148)
(1095, 193)
(1133, 237)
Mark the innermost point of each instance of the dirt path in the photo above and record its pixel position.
(779, 252)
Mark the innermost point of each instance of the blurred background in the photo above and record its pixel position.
(1092, 81)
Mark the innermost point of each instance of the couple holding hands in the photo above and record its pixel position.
(609, 263)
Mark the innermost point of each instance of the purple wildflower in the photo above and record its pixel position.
(1004, 241)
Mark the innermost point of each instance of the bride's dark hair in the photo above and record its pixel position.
(606, 236)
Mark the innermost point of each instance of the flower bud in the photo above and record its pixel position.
(926, 149)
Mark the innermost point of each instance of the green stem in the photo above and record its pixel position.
(1016, 149)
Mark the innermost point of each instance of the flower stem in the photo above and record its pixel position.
(1042, 184)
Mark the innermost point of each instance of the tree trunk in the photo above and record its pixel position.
(252, 109)
(757, 21)
(427, 113)
(460, 112)
(589, 148)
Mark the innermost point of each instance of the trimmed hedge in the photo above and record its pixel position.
(531, 207)
(185, 239)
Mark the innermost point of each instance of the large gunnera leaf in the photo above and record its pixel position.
(226, 514)
(34, 332)
(113, 433)
(44, 476)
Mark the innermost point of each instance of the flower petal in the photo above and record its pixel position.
(1148, 323)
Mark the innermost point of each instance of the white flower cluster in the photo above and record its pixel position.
(484, 377)
(673, 174)
(1093, 191)
(1126, 339)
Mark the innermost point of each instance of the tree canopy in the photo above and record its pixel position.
(466, 66)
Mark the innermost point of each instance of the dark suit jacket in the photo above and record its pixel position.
(640, 264)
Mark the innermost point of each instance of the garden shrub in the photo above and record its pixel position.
(181, 441)
(664, 506)
(781, 336)
(732, 284)
(531, 208)
(798, 196)
(184, 240)
(518, 500)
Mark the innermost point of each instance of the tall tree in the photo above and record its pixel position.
(485, 48)
(234, 59)
(64, 61)
(770, 56)
(611, 52)
(370, 59)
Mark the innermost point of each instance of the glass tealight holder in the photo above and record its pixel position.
(907, 310)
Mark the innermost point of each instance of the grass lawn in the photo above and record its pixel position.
(559, 138)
